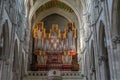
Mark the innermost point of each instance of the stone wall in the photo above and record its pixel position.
(93, 17)
(12, 18)
(103, 17)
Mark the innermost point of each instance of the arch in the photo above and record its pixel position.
(92, 61)
(101, 33)
(5, 47)
(83, 2)
(44, 14)
(39, 3)
(92, 54)
(22, 66)
(59, 11)
(5, 41)
(103, 51)
(15, 61)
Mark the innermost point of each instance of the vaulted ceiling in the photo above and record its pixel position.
(54, 7)
(52, 4)
(67, 9)
(64, 10)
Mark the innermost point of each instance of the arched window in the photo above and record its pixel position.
(15, 62)
(4, 54)
(104, 51)
(92, 63)
(4, 42)
(22, 66)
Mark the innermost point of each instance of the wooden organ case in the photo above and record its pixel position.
(56, 49)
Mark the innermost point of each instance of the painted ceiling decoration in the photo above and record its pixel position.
(52, 4)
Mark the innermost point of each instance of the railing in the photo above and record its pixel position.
(37, 73)
(43, 75)
(63, 73)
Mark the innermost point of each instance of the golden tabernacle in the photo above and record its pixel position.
(56, 49)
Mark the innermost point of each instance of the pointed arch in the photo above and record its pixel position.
(39, 3)
(59, 11)
(5, 41)
(104, 51)
(15, 61)
(92, 61)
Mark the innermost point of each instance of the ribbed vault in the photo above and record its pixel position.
(66, 8)
(55, 7)
(54, 3)
(65, 5)
(69, 16)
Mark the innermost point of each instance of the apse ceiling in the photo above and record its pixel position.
(52, 4)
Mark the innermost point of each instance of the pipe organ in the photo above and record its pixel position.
(56, 49)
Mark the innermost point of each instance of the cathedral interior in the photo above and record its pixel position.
(59, 40)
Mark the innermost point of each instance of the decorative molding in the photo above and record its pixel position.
(64, 75)
(115, 41)
(54, 3)
(101, 59)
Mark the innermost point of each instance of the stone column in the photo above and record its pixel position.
(86, 20)
(11, 52)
